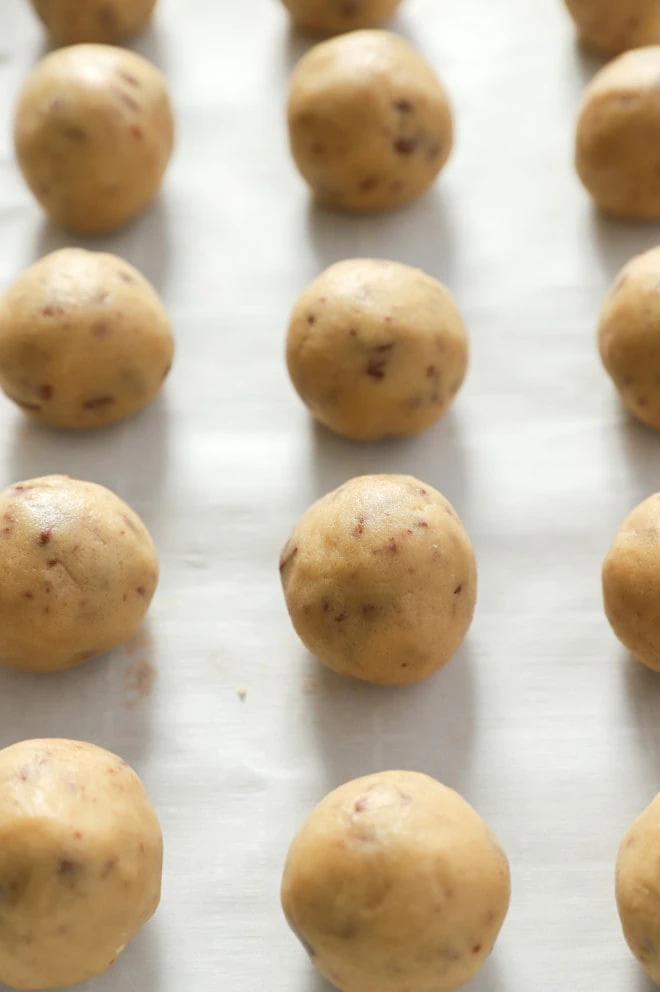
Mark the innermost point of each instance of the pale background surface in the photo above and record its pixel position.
(542, 722)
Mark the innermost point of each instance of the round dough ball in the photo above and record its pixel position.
(612, 26)
(337, 16)
(617, 151)
(84, 339)
(629, 336)
(631, 583)
(370, 125)
(73, 21)
(79, 570)
(93, 134)
(638, 888)
(376, 349)
(380, 579)
(394, 882)
(80, 862)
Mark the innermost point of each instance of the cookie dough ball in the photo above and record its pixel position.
(370, 125)
(337, 16)
(78, 572)
(617, 151)
(394, 882)
(84, 339)
(631, 583)
(376, 349)
(638, 888)
(73, 21)
(380, 579)
(93, 134)
(612, 26)
(80, 862)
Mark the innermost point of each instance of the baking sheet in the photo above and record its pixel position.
(541, 721)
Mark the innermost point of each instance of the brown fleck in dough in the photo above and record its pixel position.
(631, 583)
(629, 336)
(617, 151)
(371, 587)
(80, 862)
(351, 140)
(72, 361)
(612, 26)
(109, 172)
(72, 21)
(82, 583)
(337, 16)
(638, 888)
(385, 354)
(394, 882)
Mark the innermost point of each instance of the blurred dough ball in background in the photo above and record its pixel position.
(629, 336)
(376, 349)
(94, 132)
(84, 339)
(72, 21)
(394, 882)
(617, 149)
(370, 124)
(612, 26)
(337, 16)
(80, 862)
(638, 888)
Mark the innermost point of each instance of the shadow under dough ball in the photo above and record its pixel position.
(376, 349)
(629, 336)
(394, 882)
(338, 16)
(94, 132)
(105, 21)
(617, 152)
(80, 862)
(380, 579)
(370, 124)
(612, 26)
(638, 888)
(79, 570)
(631, 583)
(84, 339)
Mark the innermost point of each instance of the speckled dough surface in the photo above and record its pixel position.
(394, 882)
(72, 21)
(80, 861)
(370, 124)
(94, 133)
(638, 888)
(79, 570)
(337, 16)
(612, 26)
(380, 579)
(376, 349)
(617, 153)
(84, 339)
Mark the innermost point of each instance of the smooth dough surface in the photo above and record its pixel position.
(394, 882)
(338, 16)
(638, 888)
(370, 124)
(80, 861)
(94, 132)
(629, 336)
(84, 339)
(612, 26)
(631, 583)
(79, 570)
(70, 22)
(376, 349)
(617, 152)
(380, 579)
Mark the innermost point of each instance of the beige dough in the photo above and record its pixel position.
(337, 16)
(84, 339)
(380, 579)
(79, 570)
(80, 862)
(612, 26)
(629, 336)
(93, 134)
(395, 883)
(631, 583)
(370, 125)
(73, 21)
(376, 348)
(617, 149)
(638, 888)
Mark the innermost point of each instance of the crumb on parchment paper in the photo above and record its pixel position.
(242, 693)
